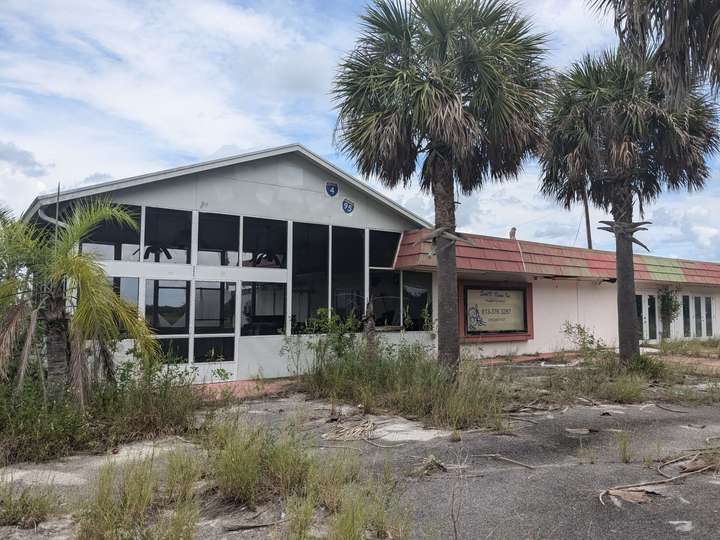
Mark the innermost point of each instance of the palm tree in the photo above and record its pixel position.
(683, 37)
(607, 122)
(448, 88)
(46, 284)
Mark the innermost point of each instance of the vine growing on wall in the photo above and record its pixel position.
(669, 309)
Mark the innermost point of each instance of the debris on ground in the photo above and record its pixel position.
(349, 431)
(429, 465)
(637, 495)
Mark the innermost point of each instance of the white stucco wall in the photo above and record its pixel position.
(554, 303)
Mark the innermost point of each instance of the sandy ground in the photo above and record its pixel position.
(556, 498)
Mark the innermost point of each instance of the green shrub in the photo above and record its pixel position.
(404, 378)
(649, 367)
(146, 401)
(24, 507)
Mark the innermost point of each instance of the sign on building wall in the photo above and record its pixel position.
(495, 310)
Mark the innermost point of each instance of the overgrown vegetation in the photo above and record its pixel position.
(24, 507)
(127, 502)
(406, 379)
(145, 400)
(251, 465)
(700, 348)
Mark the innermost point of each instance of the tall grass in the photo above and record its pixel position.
(252, 464)
(145, 401)
(25, 507)
(126, 503)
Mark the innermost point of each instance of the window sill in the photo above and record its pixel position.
(497, 338)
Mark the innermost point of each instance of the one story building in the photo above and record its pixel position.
(234, 255)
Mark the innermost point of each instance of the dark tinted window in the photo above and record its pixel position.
(111, 241)
(309, 272)
(652, 318)
(708, 317)
(174, 350)
(264, 243)
(218, 240)
(166, 305)
(698, 316)
(214, 349)
(348, 271)
(639, 324)
(127, 288)
(214, 307)
(167, 235)
(263, 309)
(383, 246)
(385, 295)
(686, 315)
(417, 300)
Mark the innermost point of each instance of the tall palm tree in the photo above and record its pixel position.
(45, 283)
(448, 88)
(683, 37)
(607, 122)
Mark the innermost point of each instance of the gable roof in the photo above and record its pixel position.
(492, 254)
(133, 181)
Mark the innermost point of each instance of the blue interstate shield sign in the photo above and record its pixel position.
(332, 188)
(348, 206)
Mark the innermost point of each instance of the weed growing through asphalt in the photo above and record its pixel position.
(624, 446)
(126, 503)
(250, 465)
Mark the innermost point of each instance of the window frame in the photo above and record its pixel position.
(498, 337)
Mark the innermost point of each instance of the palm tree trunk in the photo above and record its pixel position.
(57, 339)
(625, 270)
(588, 229)
(448, 341)
(57, 353)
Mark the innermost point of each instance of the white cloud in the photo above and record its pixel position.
(115, 88)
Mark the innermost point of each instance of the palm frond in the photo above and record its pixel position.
(11, 327)
(25, 354)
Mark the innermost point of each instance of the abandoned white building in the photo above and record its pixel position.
(235, 254)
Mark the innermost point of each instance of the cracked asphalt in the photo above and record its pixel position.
(555, 499)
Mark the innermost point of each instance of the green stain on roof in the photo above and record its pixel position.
(663, 269)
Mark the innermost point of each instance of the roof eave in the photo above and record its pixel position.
(133, 181)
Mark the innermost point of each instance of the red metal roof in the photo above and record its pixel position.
(491, 254)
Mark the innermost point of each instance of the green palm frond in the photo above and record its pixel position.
(607, 123)
(455, 84)
(85, 217)
(682, 38)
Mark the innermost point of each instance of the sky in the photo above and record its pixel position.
(93, 91)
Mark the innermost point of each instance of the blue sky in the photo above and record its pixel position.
(106, 89)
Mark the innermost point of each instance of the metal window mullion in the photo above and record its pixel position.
(330, 252)
(238, 323)
(141, 257)
(194, 228)
(240, 242)
(191, 324)
(366, 270)
(402, 305)
(288, 284)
